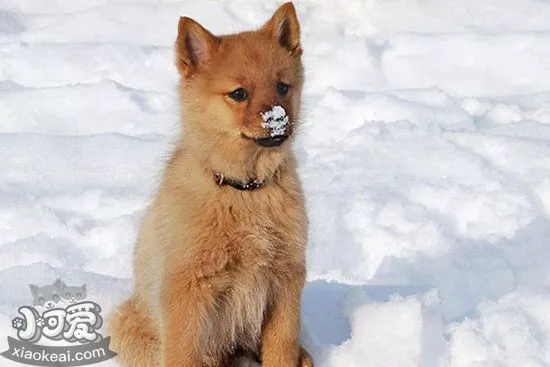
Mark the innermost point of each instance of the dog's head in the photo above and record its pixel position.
(241, 91)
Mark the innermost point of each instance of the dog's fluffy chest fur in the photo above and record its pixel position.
(257, 247)
(246, 239)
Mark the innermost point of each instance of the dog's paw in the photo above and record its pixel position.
(305, 358)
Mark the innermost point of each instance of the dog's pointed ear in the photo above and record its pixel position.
(284, 27)
(194, 46)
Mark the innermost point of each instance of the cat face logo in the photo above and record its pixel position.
(56, 295)
(59, 313)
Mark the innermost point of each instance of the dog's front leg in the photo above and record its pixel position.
(184, 306)
(281, 332)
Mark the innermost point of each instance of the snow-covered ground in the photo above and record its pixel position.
(424, 152)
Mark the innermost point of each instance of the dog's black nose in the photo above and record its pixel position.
(271, 141)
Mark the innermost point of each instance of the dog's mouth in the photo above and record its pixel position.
(268, 141)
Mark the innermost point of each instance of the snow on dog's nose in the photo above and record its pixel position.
(275, 120)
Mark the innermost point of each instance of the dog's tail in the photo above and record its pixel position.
(133, 336)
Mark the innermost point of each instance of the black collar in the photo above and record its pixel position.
(249, 185)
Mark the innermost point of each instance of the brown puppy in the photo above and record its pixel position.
(220, 259)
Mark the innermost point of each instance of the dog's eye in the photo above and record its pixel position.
(282, 88)
(239, 94)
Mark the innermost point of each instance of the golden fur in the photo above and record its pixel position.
(219, 272)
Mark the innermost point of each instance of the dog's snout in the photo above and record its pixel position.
(271, 141)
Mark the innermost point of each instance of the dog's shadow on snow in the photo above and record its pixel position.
(325, 305)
